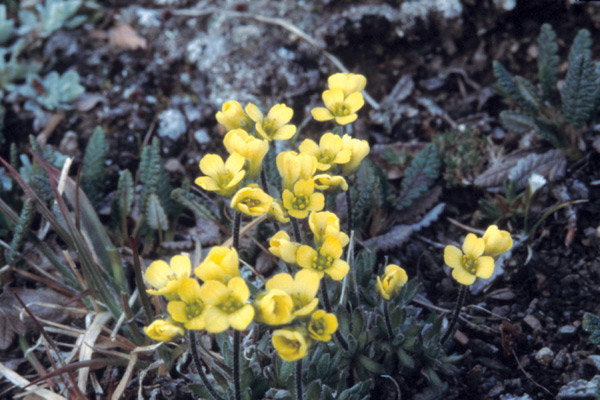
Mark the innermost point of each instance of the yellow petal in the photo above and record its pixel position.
(453, 256)
(322, 114)
(485, 267)
(189, 290)
(473, 246)
(235, 162)
(215, 321)
(285, 132)
(317, 202)
(157, 274)
(238, 286)
(196, 323)
(254, 113)
(207, 183)
(212, 291)
(306, 282)
(463, 277)
(281, 113)
(212, 165)
(181, 266)
(309, 147)
(241, 318)
(345, 120)
(305, 256)
(281, 281)
(332, 97)
(355, 101)
(176, 310)
(338, 270)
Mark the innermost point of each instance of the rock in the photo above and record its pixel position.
(595, 361)
(567, 331)
(201, 136)
(533, 323)
(560, 360)
(579, 389)
(172, 124)
(544, 356)
(515, 397)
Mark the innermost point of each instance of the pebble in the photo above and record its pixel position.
(595, 361)
(567, 331)
(172, 124)
(544, 356)
(560, 360)
(201, 136)
(579, 389)
(533, 323)
(515, 397)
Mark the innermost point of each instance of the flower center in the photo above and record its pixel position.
(269, 125)
(224, 178)
(194, 309)
(300, 202)
(229, 304)
(469, 264)
(321, 263)
(318, 326)
(340, 110)
(251, 203)
(326, 157)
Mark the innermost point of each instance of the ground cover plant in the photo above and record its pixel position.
(311, 200)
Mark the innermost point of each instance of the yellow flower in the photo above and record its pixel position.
(326, 260)
(274, 307)
(166, 278)
(292, 166)
(251, 201)
(326, 224)
(221, 177)
(275, 126)
(282, 247)
(291, 345)
(232, 116)
(342, 109)
(322, 325)
(470, 265)
(303, 199)
(392, 281)
(278, 212)
(302, 288)
(226, 305)
(329, 151)
(163, 330)
(359, 149)
(252, 149)
(349, 83)
(325, 182)
(221, 264)
(190, 309)
(496, 241)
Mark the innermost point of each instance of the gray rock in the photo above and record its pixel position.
(172, 124)
(579, 389)
(567, 331)
(533, 323)
(201, 136)
(595, 361)
(544, 356)
(515, 397)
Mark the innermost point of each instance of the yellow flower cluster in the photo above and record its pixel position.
(217, 298)
(219, 303)
(476, 259)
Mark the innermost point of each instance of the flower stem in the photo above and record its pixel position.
(237, 383)
(459, 303)
(211, 390)
(296, 227)
(263, 181)
(237, 221)
(299, 379)
(327, 306)
(349, 209)
(386, 316)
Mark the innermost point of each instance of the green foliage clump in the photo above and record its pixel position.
(420, 175)
(461, 154)
(556, 116)
(93, 172)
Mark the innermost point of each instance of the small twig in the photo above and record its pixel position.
(527, 375)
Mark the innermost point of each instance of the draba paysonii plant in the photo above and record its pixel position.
(218, 298)
(474, 260)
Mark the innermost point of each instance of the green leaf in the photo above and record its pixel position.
(528, 91)
(579, 92)
(93, 172)
(125, 193)
(371, 366)
(582, 45)
(549, 131)
(517, 121)
(20, 230)
(591, 325)
(505, 84)
(419, 176)
(156, 216)
(313, 391)
(150, 166)
(547, 61)
(194, 203)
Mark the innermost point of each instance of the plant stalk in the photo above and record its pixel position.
(211, 390)
(237, 221)
(386, 316)
(296, 227)
(462, 292)
(237, 383)
(349, 209)
(299, 379)
(327, 306)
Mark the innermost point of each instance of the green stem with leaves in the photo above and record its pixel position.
(462, 292)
